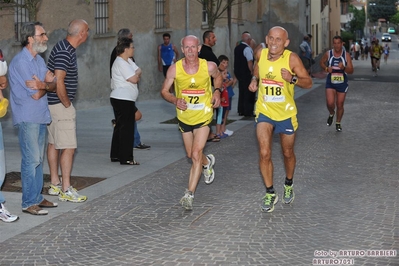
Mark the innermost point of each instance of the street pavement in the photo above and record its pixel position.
(346, 191)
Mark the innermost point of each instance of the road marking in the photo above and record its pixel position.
(362, 79)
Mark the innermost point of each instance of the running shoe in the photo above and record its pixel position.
(187, 200)
(6, 216)
(330, 120)
(54, 190)
(208, 171)
(288, 194)
(268, 202)
(338, 127)
(71, 195)
(229, 132)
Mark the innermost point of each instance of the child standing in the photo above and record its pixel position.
(228, 82)
(221, 111)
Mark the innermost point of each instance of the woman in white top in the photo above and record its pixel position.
(125, 76)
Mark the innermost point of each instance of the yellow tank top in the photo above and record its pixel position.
(275, 95)
(376, 51)
(196, 89)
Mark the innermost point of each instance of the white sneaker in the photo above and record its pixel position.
(229, 132)
(54, 190)
(6, 216)
(187, 200)
(209, 173)
(71, 195)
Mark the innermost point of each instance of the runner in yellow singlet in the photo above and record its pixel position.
(375, 55)
(278, 70)
(194, 102)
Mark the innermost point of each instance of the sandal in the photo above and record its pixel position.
(222, 136)
(35, 210)
(47, 204)
(130, 162)
(216, 138)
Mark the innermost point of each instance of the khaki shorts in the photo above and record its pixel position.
(62, 129)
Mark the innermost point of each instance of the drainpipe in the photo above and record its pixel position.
(187, 16)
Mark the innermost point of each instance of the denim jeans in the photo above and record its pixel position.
(32, 138)
(2, 164)
(137, 140)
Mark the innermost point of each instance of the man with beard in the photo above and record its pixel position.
(30, 80)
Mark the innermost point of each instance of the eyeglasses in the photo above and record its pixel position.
(41, 35)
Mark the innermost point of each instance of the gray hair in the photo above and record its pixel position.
(123, 33)
(189, 36)
(75, 26)
(28, 29)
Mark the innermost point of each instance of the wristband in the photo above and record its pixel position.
(254, 78)
(217, 89)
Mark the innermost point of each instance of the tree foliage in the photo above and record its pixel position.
(30, 5)
(216, 8)
(347, 37)
(381, 9)
(359, 19)
(395, 19)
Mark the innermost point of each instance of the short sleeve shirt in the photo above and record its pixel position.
(63, 57)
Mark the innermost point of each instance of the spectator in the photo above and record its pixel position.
(5, 215)
(125, 76)
(209, 40)
(167, 54)
(62, 141)
(306, 53)
(126, 33)
(243, 68)
(228, 83)
(29, 81)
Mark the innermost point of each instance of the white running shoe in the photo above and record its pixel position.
(209, 173)
(54, 190)
(187, 200)
(229, 132)
(6, 216)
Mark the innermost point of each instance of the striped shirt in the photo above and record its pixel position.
(63, 57)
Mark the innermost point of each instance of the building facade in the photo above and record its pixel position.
(148, 19)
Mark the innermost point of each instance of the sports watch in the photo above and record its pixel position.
(294, 79)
